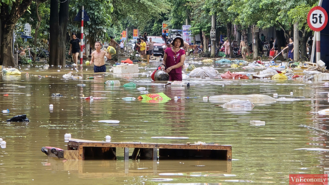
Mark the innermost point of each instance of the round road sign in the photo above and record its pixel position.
(317, 18)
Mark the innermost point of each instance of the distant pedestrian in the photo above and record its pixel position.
(145, 37)
(262, 38)
(150, 47)
(74, 48)
(122, 46)
(164, 36)
(113, 43)
(290, 48)
(142, 47)
(243, 49)
(227, 47)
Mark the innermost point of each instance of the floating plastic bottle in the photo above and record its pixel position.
(130, 85)
(291, 93)
(81, 85)
(275, 95)
(129, 98)
(51, 107)
(257, 123)
(108, 139)
(5, 111)
(113, 82)
(67, 137)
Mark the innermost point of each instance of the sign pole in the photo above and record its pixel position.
(318, 46)
(317, 20)
(82, 44)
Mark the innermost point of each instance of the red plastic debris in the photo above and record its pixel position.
(5, 95)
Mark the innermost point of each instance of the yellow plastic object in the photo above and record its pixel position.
(190, 68)
(279, 76)
(111, 50)
(11, 71)
(234, 66)
(207, 61)
(143, 63)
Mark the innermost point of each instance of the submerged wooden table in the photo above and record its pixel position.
(87, 149)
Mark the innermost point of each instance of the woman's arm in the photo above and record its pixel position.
(180, 64)
(163, 65)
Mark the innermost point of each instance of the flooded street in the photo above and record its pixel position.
(261, 154)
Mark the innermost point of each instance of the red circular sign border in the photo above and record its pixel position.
(309, 15)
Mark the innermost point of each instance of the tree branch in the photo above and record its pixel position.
(281, 26)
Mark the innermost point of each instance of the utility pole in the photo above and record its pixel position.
(213, 36)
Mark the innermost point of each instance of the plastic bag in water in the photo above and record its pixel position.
(204, 72)
(239, 105)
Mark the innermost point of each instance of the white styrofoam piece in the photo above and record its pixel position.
(126, 68)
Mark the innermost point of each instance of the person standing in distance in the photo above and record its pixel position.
(74, 48)
(173, 59)
(145, 37)
(164, 36)
(150, 47)
(290, 48)
(97, 57)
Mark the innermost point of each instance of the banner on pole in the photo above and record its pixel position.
(165, 28)
(124, 35)
(135, 34)
(187, 34)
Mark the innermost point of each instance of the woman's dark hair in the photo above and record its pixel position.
(74, 34)
(291, 38)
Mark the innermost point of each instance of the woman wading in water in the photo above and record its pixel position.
(173, 59)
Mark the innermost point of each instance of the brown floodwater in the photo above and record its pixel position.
(261, 155)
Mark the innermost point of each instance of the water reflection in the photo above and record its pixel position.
(108, 169)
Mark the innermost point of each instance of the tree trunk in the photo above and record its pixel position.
(7, 56)
(9, 16)
(204, 42)
(201, 36)
(280, 39)
(58, 28)
(0, 39)
(228, 27)
(303, 41)
(255, 37)
(34, 54)
(54, 33)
